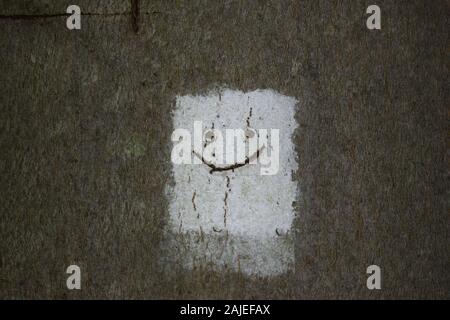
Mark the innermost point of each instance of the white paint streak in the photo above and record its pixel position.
(238, 220)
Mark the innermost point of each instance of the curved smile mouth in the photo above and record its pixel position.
(231, 167)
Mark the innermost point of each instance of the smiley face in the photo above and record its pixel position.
(229, 213)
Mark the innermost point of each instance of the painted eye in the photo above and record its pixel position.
(249, 133)
(209, 136)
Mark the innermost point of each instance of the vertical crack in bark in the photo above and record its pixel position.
(225, 208)
(202, 238)
(135, 13)
(193, 202)
(249, 117)
(201, 235)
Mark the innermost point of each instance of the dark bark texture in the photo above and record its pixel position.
(85, 145)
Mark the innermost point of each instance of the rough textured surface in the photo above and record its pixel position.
(85, 143)
(246, 214)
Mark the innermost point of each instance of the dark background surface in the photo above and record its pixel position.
(85, 142)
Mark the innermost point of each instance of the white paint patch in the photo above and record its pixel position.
(237, 220)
